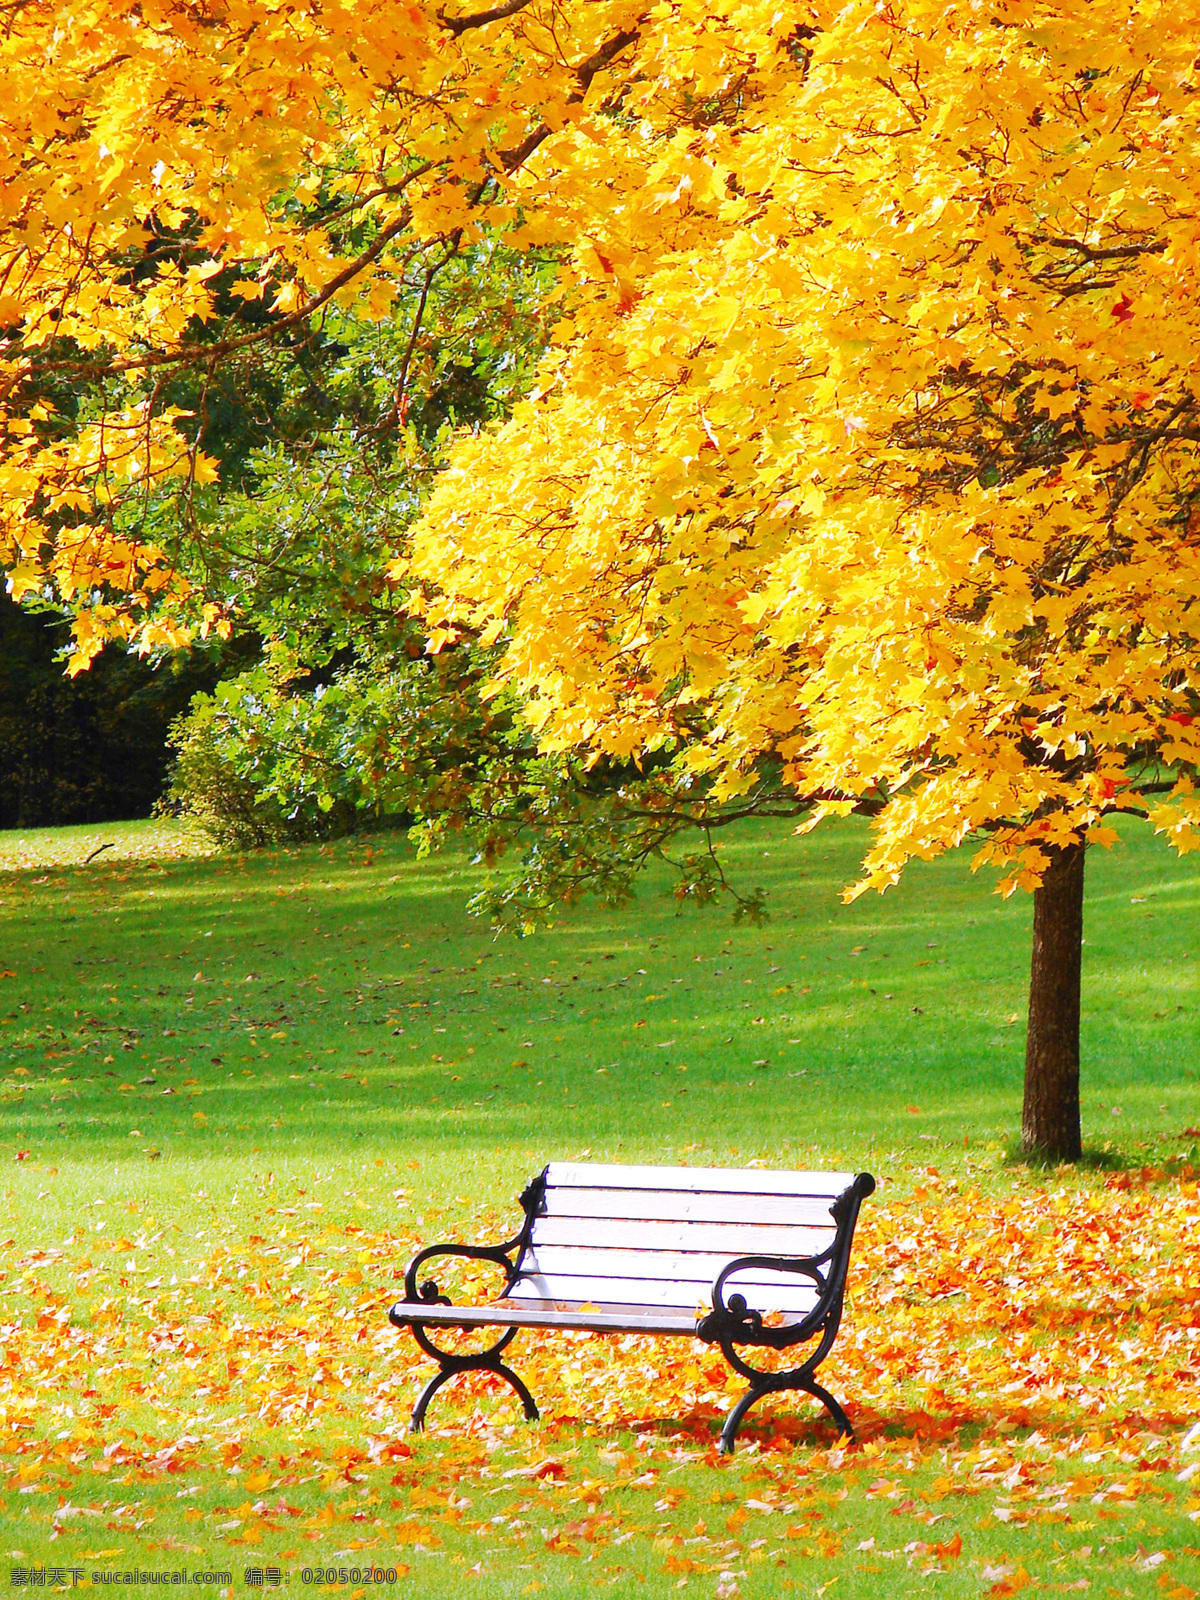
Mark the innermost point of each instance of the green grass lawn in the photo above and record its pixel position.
(337, 1001)
(200, 1053)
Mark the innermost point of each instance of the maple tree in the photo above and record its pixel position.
(870, 446)
(865, 456)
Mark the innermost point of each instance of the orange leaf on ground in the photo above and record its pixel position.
(1012, 1584)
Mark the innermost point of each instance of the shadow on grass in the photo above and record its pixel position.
(967, 1428)
(1094, 1158)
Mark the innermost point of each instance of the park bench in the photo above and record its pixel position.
(654, 1250)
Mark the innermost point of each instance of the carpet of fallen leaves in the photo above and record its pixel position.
(1023, 1368)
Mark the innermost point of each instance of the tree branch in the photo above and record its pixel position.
(480, 19)
(1114, 252)
(510, 160)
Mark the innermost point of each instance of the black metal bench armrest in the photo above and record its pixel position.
(430, 1293)
(734, 1319)
(736, 1322)
(506, 1255)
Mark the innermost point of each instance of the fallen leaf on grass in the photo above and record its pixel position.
(1011, 1583)
(415, 1533)
(540, 1469)
(945, 1552)
(561, 1545)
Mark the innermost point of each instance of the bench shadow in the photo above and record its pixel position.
(965, 1427)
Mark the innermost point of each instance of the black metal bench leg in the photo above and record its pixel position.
(811, 1386)
(531, 1411)
(736, 1417)
(450, 1365)
(803, 1382)
(417, 1423)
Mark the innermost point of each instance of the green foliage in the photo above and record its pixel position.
(328, 440)
(552, 830)
(275, 756)
(207, 788)
(348, 720)
(256, 766)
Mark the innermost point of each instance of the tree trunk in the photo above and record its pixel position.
(1050, 1117)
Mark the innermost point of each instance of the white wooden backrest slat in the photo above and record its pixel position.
(695, 1180)
(784, 1211)
(728, 1239)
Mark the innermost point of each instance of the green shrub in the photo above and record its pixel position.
(256, 765)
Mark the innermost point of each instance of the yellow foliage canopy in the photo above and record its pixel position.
(873, 425)
(868, 443)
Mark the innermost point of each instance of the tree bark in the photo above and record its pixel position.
(1050, 1117)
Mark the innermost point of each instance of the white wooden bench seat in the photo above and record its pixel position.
(653, 1250)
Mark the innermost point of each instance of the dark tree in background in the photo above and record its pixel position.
(90, 748)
